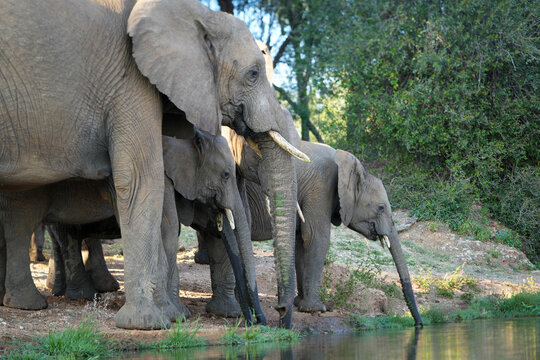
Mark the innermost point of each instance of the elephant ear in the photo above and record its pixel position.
(351, 178)
(174, 50)
(181, 161)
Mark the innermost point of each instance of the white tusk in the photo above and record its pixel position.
(254, 147)
(219, 221)
(285, 145)
(299, 211)
(268, 206)
(386, 240)
(230, 217)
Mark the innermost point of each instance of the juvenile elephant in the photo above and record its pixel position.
(200, 169)
(82, 83)
(334, 188)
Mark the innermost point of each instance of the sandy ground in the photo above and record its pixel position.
(498, 269)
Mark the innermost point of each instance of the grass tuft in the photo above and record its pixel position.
(258, 334)
(179, 336)
(82, 342)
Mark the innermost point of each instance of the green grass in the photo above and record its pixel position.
(258, 334)
(82, 342)
(179, 336)
(448, 284)
(525, 303)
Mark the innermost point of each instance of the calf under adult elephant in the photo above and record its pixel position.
(198, 169)
(334, 188)
(81, 87)
(211, 193)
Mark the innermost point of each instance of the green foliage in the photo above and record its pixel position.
(82, 342)
(452, 90)
(448, 284)
(179, 336)
(258, 334)
(524, 303)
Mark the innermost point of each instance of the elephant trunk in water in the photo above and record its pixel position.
(279, 184)
(401, 265)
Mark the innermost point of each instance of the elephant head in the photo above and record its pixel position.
(203, 170)
(209, 66)
(364, 207)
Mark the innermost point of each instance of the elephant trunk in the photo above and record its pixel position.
(279, 184)
(401, 265)
(243, 236)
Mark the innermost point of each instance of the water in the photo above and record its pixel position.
(480, 339)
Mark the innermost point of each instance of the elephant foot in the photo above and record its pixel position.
(181, 307)
(308, 305)
(97, 270)
(26, 299)
(85, 291)
(223, 307)
(173, 312)
(37, 255)
(142, 315)
(105, 282)
(201, 256)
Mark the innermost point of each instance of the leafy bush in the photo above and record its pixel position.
(450, 90)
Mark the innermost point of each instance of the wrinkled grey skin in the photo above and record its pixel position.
(333, 188)
(82, 100)
(206, 178)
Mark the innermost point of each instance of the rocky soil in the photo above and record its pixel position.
(430, 248)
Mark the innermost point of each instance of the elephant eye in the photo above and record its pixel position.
(253, 74)
(226, 175)
(380, 209)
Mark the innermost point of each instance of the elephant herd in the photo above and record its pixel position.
(111, 115)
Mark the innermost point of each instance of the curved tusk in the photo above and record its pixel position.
(254, 147)
(385, 241)
(285, 145)
(230, 217)
(219, 221)
(299, 211)
(268, 205)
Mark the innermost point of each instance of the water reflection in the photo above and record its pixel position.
(482, 339)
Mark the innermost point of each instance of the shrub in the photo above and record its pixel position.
(451, 91)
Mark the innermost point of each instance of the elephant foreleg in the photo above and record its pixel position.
(56, 279)
(138, 175)
(36, 247)
(311, 260)
(201, 255)
(96, 267)
(167, 299)
(2, 264)
(223, 302)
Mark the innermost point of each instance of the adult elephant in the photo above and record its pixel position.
(200, 169)
(81, 99)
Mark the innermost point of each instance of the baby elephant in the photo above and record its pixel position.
(198, 169)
